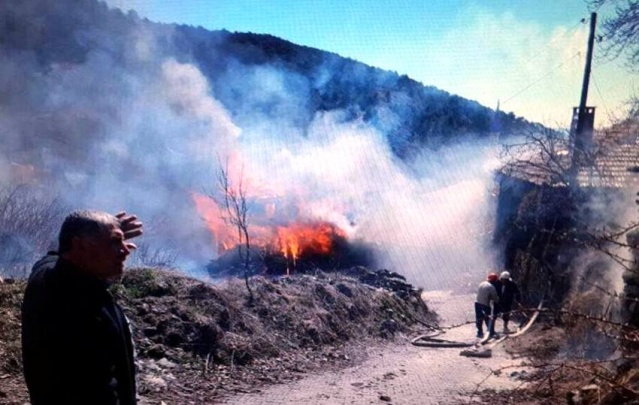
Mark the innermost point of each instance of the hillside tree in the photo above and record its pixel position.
(235, 206)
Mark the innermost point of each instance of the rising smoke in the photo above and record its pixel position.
(107, 112)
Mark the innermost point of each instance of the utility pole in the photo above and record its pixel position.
(584, 116)
(586, 83)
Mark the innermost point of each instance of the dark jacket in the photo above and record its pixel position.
(497, 304)
(497, 285)
(509, 293)
(76, 341)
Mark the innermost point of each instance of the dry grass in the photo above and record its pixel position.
(201, 341)
(295, 313)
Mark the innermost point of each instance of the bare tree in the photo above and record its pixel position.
(235, 206)
(554, 222)
(539, 157)
(621, 31)
(29, 220)
(155, 256)
(572, 249)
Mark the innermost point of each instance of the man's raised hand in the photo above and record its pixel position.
(130, 226)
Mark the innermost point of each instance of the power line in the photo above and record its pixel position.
(542, 77)
(610, 118)
(545, 49)
(568, 32)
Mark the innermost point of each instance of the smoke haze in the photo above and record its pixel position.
(108, 115)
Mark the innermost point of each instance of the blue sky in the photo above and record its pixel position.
(527, 54)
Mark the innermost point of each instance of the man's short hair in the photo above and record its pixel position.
(83, 223)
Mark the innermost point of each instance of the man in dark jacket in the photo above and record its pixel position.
(509, 294)
(76, 341)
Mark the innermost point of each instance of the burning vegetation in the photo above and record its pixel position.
(254, 237)
(307, 239)
(296, 248)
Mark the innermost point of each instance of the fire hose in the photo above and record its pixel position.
(431, 340)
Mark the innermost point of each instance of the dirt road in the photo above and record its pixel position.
(403, 373)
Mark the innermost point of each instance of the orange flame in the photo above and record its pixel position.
(212, 215)
(291, 240)
(226, 235)
(316, 237)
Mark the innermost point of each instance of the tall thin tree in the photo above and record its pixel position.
(236, 208)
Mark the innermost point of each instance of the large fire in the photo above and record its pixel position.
(292, 241)
(315, 237)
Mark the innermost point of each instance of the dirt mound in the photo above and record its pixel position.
(197, 341)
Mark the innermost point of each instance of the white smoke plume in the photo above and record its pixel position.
(127, 125)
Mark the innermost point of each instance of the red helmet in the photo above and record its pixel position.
(492, 277)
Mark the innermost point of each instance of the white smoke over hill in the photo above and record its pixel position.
(108, 116)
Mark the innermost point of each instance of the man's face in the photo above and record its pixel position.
(106, 254)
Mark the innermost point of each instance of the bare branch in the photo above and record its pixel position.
(235, 206)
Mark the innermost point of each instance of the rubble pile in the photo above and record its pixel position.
(383, 278)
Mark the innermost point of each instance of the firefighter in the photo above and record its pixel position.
(509, 294)
(486, 295)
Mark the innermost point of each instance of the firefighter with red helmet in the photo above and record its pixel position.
(486, 295)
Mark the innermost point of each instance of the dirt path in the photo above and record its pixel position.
(403, 373)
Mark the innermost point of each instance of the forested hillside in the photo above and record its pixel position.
(254, 76)
(410, 113)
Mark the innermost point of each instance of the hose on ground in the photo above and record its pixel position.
(430, 339)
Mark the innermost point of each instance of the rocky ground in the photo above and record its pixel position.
(198, 342)
(330, 339)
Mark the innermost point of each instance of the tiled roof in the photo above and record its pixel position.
(616, 162)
